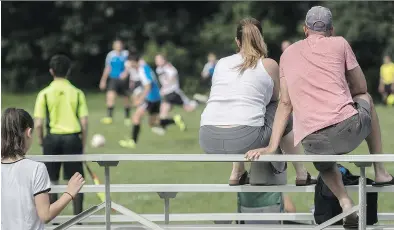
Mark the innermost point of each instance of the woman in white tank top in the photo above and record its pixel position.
(240, 111)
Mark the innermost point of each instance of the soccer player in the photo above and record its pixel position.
(209, 67)
(114, 80)
(136, 86)
(62, 108)
(206, 75)
(285, 45)
(171, 92)
(386, 85)
(147, 101)
(25, 183)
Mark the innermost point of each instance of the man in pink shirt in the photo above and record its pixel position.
(322, 83)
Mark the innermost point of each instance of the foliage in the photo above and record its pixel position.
(184, 31)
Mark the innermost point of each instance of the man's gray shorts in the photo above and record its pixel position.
(340, 138)
(241, 139)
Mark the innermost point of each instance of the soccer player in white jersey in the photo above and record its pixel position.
(170, 90)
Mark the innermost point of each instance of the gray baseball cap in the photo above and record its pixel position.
(319, 18)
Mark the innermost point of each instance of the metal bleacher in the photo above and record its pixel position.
(131, 220)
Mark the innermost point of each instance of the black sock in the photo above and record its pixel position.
(110, 111)
(126, 112)
(78, 203)
(135, 132)
(165, 122)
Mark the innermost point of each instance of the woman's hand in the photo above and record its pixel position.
(255, 153)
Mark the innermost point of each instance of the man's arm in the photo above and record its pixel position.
(83, 118)
(104, 77)
(356, 81)
(39, 128)
(106, 71)
(144, 93)
(39, 116)
(146, 81)
(205, 71)
(282, 115)
(354, 75)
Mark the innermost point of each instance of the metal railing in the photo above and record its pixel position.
(169, 191)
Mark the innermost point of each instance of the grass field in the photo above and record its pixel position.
(178, 142)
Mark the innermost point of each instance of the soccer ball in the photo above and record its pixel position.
(98, 140)
(390, 100)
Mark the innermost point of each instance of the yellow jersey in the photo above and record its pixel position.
(62, 104)
(387, 73)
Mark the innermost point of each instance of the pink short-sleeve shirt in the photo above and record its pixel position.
(314, 70)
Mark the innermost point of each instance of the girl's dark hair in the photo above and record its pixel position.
(249, 35)
(14, 123)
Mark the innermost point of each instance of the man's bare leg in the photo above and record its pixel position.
(374, 141)
(332, 177)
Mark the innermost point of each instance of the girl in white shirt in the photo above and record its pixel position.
(25, 183)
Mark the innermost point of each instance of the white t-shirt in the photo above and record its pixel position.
(20, 182)
(238, 98)
(168, 77)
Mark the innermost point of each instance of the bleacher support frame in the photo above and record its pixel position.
(112, 160)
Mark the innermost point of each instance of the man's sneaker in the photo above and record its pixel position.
(127, 122)
(129, 143)
(179, 122)
(159, 131)
(106, 120)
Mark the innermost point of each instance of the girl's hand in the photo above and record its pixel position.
(75, 184)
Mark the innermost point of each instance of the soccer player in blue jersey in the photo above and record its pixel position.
(206, 76)
(147, 101)
(115, 81)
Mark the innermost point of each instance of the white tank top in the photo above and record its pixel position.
(235, 98)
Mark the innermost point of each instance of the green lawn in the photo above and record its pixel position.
(178, 142)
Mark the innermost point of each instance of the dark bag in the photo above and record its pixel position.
(327, 205)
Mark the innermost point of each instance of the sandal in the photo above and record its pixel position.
(382, 184)
(243, 179)
(308, 181)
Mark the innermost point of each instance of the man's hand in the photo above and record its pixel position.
(381, 88)
(255, 153)
(103, 85)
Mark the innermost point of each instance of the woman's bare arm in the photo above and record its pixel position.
(272, 68)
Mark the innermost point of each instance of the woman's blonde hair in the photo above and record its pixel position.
(252, 45)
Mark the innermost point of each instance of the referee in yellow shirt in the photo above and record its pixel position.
(61, 107)
(386, 85)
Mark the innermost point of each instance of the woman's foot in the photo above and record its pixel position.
(308, 180)
(239, 180)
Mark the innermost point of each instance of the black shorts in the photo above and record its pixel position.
(176, 98)
(63, 144)
(153, 108)
(387, 89)
(121, 87)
